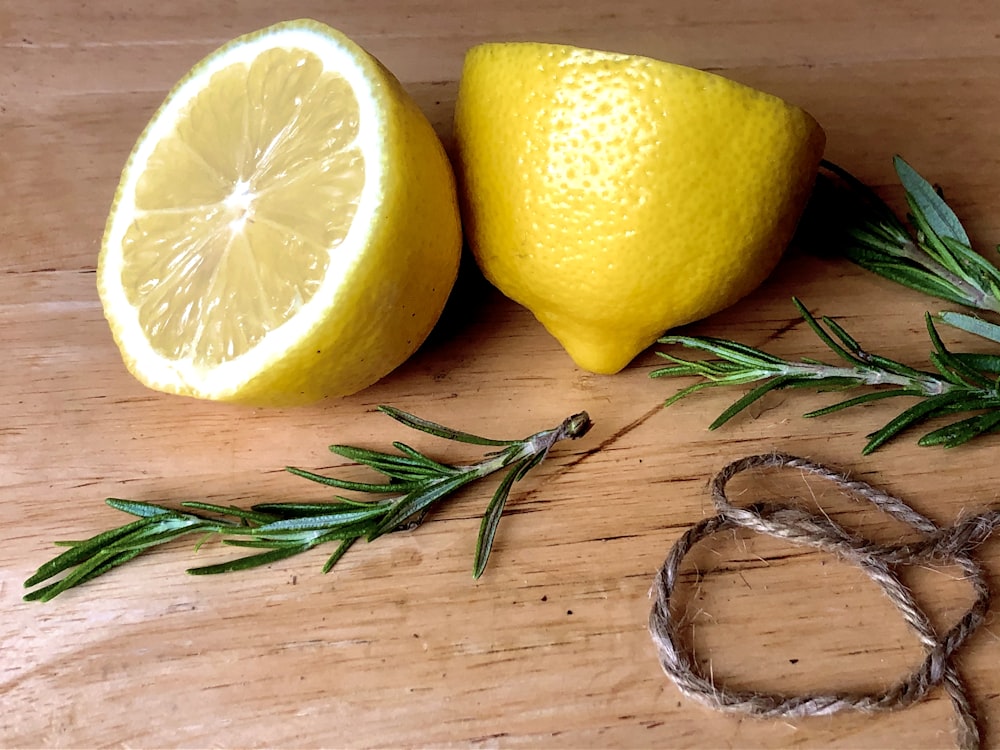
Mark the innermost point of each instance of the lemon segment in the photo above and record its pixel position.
(285, 229)
(618, 196)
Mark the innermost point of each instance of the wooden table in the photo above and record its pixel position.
(399, 646)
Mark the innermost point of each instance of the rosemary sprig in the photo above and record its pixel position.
(414, 483)
(933, 256)
(962, 384)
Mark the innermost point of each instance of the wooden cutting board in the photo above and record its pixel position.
(399, 646)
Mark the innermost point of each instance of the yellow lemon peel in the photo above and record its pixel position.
(618, 196)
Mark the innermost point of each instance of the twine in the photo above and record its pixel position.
(938, 546)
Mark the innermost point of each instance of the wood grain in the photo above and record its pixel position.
(399, 646)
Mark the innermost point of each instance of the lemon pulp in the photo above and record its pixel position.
(231, 196)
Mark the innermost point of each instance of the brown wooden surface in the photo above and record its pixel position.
(399, 646)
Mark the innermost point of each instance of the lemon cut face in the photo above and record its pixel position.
(618, 196)
(285, 228)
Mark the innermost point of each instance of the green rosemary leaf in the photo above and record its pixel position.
(252, 515)
(681, 367)
(826, 338)
(157, 534)
(417, 500)
(689, 390)
(854, 353)
(251, 561)
(432, 466)
(112, 561)
(338, 553)
(971, 324)
(277, 511)
(863, 399)
(81, 575)
(732, 351)
(963, 431)
(983, 273)
(878, 362)
(823, 382)
(849, 342)
(720, 370)
(930, 242)
(491, 519)
(942, 364)
(884, 253)
(318, 523)
(985, 363)
(944, 403)
(396, 466)
(749, 398)
(257, 543)
(929, 204)
(86, 570)
(956, 370)
(704, 344)
(739, 353)
(746, 376)
(358, 530)
(346, 484)
(44, 594)
(871, 242)
(140, 509)
(433, 428)
(213, 533)
(81, 551)
(954, 434)
(865, 359)
(309, 539)
(951, 367)
(915, 278)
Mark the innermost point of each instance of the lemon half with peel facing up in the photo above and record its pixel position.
(618, 196)
(286, 227)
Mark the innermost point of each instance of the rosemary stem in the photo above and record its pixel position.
(976, 297)
(868, 376)
(540, 443)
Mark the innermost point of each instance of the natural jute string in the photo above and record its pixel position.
(938, 546)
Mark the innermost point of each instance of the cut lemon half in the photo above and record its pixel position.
(285, 229)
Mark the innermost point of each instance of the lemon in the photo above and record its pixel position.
(618, 196)
(286, 227)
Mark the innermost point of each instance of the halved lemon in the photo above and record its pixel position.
(618, 196)
(285, 229)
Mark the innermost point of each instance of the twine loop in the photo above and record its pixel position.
(937, 546)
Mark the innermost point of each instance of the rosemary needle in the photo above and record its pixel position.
(413, 483)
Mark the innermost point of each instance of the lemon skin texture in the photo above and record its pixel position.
(618, 196)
